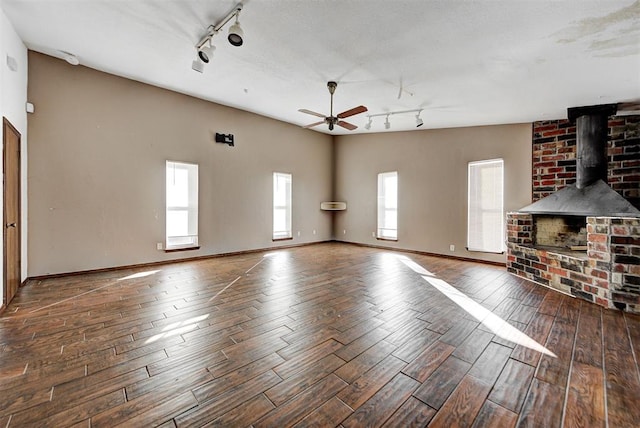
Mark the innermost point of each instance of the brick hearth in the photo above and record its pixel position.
(608, 273)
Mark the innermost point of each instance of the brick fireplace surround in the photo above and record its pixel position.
(608, 273)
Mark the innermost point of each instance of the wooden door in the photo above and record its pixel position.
(11, 189)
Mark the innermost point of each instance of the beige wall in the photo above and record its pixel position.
(13, 97)
(432, 183)
(98, 145)
(97, 151)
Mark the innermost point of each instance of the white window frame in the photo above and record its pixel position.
(188, 240)
(485, 206)
(387, 229)
(281, 179)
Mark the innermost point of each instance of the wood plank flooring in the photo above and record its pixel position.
(323, 335)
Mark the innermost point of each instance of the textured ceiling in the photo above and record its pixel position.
(464, 62)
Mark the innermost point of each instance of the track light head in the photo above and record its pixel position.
(205, 53)
(197, 65)
(419, 121)
(236, 34)
(70, 58)
(387, 124)
(368, 125)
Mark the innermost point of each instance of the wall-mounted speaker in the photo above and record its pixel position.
(224, 139)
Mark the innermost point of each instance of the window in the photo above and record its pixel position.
(485, 228)
(182, 205)
(281, 206)
(388, 205)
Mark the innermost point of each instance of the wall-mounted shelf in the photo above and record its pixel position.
(333, 206)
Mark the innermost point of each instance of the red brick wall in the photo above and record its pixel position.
(554, 156)
(624, 157)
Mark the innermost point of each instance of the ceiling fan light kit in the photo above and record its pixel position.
(332, 120)
(205, 47)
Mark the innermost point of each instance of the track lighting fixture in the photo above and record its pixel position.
(387, 124)
(205, 47)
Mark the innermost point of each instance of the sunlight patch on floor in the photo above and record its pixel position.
(490, 320)
(177, 328)
(140, 275)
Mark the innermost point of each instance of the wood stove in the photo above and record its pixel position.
(583, 240)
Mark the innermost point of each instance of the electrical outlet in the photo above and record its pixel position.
(298, 234)
(344, 232)
(159, 246)
(314, 231)
(452, 247)
(373, 234)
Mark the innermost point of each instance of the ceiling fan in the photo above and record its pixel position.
(332, 120)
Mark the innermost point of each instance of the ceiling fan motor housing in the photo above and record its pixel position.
(331, 121)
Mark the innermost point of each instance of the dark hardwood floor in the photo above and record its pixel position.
(322, 335)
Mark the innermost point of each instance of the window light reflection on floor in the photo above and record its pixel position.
(177, 328)
(140, 275)
(278, 253)
(490, 320)
(109, 284)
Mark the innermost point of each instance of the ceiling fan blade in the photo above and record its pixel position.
(352, 112)
(304, 110)
(314, 124)
(347, 125)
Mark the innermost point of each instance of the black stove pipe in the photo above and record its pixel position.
(591, 144)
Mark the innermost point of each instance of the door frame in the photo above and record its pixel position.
(7, 126)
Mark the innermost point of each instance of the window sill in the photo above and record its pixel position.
(175, 250)
(386, 239)
(282, 239)
(483, 251)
